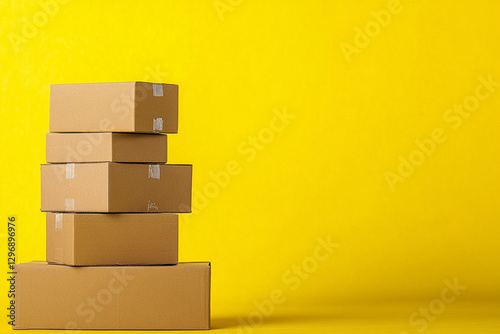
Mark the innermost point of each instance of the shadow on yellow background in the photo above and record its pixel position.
(346, 153)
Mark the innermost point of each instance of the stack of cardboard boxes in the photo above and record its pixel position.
(112, 223)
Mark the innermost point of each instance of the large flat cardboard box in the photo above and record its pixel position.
(106, 147)
(116, 187)
(114, 107)
(112, 297)
(93, 239)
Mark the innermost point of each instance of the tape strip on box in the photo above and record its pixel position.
(70, 171)
(158, 124)
(157, 90)
(59, 221)
(154, 172)
(69, 204)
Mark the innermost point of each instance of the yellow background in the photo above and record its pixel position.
(323, 174)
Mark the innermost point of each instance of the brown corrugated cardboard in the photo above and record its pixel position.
(112, 297)
(106, 147)
(114, 107)
(116, 187)
(92, 239)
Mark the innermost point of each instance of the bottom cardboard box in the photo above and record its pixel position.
(50, 296)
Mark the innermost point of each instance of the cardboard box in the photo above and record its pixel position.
(112, 297)
(106, 147)
(114, 107)
(116, 187)
(93, 239)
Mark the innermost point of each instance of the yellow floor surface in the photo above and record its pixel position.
(386, 318)
(472, 317)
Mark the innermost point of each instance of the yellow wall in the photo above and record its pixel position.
(355, 106)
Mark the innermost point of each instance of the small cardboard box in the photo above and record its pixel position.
(106, 147)
(93, 239)
(112, 297)
(116, 187)
(114, 107)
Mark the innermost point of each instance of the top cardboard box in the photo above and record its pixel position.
(114, 107)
